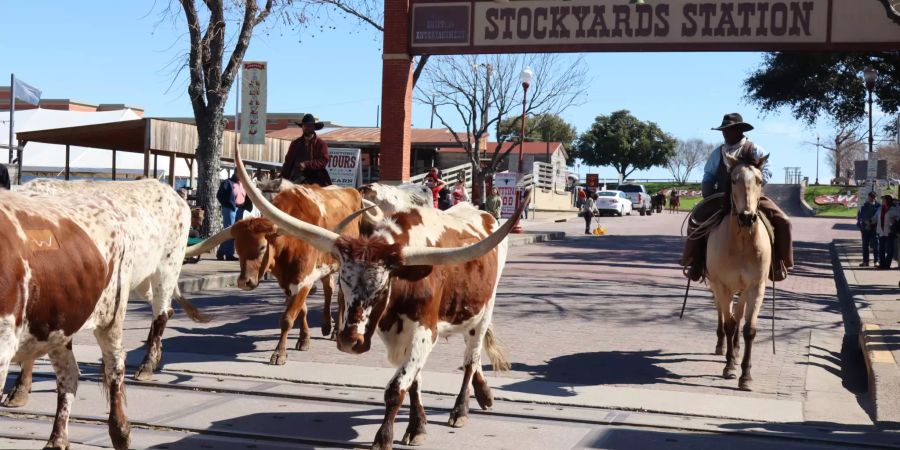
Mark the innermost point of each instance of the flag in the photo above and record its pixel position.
(26, 92)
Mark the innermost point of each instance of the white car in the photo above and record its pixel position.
(615, 202)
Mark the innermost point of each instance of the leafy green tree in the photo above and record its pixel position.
(829, 85)
(622, 141)
(543, 128)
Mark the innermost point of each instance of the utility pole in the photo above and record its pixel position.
(817, 160)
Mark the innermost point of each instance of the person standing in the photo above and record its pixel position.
(459, 190)
(865, 221)
(4, 178)
(307, 157)
(588, 210)
(434, 182)
(494, 204)
(580, 197)
(886, 218)
(231, 196)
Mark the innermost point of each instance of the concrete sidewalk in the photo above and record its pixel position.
(876, 296)
(211, 274)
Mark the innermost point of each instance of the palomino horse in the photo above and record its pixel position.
(738, 260)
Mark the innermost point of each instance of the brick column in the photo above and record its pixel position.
(396, 94)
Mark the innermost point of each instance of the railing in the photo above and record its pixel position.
(449, 175)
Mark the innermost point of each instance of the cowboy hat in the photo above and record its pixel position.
(734, 120)
(308, 119)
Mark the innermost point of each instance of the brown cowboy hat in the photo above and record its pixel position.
(734, 120)
(308, 119)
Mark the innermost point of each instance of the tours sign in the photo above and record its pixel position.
(659, 25)
(345, 167)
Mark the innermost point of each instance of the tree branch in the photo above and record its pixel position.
(195, 64)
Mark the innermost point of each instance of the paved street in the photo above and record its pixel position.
(600, 360)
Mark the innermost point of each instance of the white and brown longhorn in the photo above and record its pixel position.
(420, 274)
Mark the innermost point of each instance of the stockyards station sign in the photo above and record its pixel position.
(657, 25)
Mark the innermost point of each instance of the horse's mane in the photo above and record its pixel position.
(751, 158)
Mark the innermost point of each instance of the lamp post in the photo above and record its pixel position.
(525, 77)
(817, 160)
(870, 75)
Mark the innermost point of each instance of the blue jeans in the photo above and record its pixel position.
(885, 250)
(869, 242)
(229, 216)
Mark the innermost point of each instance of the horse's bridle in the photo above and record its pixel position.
(731, 193)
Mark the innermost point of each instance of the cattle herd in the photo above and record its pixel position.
(74, 253)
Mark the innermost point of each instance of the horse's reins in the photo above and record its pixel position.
(702, 231)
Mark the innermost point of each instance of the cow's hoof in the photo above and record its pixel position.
(326, 329)
(58, 445)
(16, 399)
(720, 350)
(278, 359)
(120, 436)
(302, 344)
(745, 384)
(414, 439)
(143, 373)
(484, 396)
(729, 373)
(457, 421)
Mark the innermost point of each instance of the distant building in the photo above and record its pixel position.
(65, 104)
(532, 152)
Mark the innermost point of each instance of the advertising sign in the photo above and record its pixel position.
(506, 183)
(345, 167)
(662, 25)
(850, 201)
(592, 180)
(253, 103)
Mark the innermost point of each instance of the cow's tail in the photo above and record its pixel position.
(189, 307)
(496, 351)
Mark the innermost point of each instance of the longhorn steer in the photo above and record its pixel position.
(69, 262)
(394, 199)
(294, 263)
(421, 274)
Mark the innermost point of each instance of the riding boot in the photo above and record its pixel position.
(783, 257)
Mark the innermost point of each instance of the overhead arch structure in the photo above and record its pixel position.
(438, 27)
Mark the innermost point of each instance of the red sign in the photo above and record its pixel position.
(593, 180)
(850, 201)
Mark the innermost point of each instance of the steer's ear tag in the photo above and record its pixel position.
(39, 240)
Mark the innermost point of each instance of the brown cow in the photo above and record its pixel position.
(294, 263)
(421, 274)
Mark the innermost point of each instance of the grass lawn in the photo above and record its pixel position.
(829, 210)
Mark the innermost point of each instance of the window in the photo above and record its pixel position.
(630, 188)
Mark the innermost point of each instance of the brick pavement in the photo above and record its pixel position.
(588, 310)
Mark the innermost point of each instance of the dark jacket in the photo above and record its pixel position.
(865, 217)
(315, 157)
(225, 195)
(4, 177)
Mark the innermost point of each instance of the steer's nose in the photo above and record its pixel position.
(349, 340)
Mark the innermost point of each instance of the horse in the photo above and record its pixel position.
(674, 202)
(738, 261)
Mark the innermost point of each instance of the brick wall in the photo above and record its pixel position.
(396, 94)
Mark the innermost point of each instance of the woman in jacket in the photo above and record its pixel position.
(885, 219)
(588, 210)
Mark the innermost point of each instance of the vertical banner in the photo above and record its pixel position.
(344, 167)
(506, 183)
(253, 103)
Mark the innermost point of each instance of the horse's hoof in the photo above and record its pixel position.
(414, 439)
(745, 384)
(302, 344)
(326, 329)
(278, 359)
(16, 399)
(729, 374)
(457, 421)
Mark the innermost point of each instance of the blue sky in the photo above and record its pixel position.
(114, 51)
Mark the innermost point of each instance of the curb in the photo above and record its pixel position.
(881, 367)
(809, 209)
(536, 238)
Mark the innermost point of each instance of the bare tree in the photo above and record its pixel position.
(689, 155)
(472, 94)
(845, 147)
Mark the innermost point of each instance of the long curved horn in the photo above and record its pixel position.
(374, 216)
(318, 237)
(209, 244)
(339, 228)
(430, 256)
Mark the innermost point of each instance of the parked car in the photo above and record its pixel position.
(615, 202)
(640, 198)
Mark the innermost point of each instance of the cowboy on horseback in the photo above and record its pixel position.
(716, 181)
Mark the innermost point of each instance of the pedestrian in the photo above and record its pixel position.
(494, 204)
(459, 190)
(865, 221)
(4, 177)
(521, 195)
(580, 197)
(231, 196)
(434, 182)
(588, 211)
(716, 180)
(307, 157)
(886, 220)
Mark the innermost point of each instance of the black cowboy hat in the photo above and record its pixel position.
(734, 120)
(308, 119)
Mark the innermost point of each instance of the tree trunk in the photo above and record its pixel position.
(208, 152)
(477, 185)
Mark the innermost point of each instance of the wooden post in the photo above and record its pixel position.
(155, 161)
(67, 162)
(147, 163)
(190, 163)
(172, 170)
(114, 166)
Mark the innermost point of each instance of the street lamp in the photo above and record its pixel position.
(817, 160)
(871, 75)
(526, 78)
